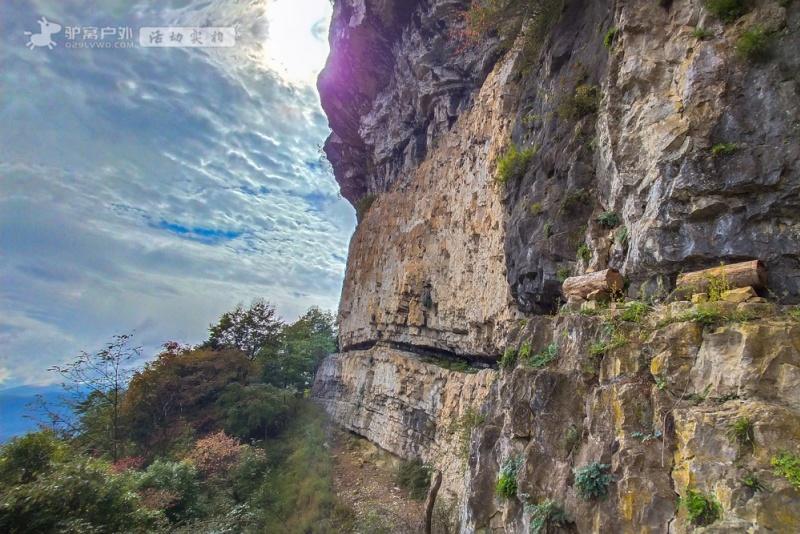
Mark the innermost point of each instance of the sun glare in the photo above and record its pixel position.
(296, 48)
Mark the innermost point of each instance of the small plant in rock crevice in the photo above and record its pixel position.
(507, 479)
(702, 34)
(563, 273)
(584, 101)
(513, 165)
(750, 480)
(729, 10)
(584, 252)
(741, 432)
(723, 149)
(592, 480)
(525, 350)
(635, 312)
(609, 219)
(547, 515)
(753, 44)
(787, 465)
(701, 509)
(541, 359)
(509, 359)
(608, 39)
(648, 435)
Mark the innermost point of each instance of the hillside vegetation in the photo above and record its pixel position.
(213, 438)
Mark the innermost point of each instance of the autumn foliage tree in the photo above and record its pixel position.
(177, 392)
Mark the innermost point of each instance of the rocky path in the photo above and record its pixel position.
(365, 480)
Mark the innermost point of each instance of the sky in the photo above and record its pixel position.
(147, 190)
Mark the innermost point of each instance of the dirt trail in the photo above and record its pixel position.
(365, 480)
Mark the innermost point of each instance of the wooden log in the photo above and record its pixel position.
(608, 280)
(748, 273)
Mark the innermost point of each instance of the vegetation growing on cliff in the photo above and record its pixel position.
(506, 19)
(216, 437)
(513, 164)
(507, 479)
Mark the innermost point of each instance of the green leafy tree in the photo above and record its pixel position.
(303, 346)
(248, 330)
(94, 386)
(256, 411)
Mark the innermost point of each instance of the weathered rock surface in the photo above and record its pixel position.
(656, 408)
(446, 262)
(426, 266)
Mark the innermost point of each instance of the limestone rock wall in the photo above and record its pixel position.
(426, 264)
(657, 409)
(447, 263)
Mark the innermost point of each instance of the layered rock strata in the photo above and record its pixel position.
(657, 408)
(666, 151)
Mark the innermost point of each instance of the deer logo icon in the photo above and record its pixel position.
(43, 38)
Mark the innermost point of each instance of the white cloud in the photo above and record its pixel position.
(152, 190)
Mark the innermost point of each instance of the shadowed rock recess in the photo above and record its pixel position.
(666, 151)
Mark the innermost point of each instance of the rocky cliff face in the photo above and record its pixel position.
(666, 151)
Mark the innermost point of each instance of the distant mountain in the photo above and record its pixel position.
(14, 405)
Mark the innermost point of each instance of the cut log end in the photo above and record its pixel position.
(606, 281)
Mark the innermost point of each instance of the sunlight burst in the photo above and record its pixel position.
(297, 43)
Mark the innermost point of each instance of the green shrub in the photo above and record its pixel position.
(609, 219)
(621, 236)
(513, 165)
(701, 33)
(584, 101)
(415, 477)
(548, 229)
(741, 431)
(598, 349)
(592, 480)
(608, 40)
(787, 465)
(546, 516)
(576, 198)
(753, 44)
(364, 204)
(723, 149)
(536, 208)
(525, 350)
(572, 439)
(463, 427)
(25, 458)
(563, 273)
(544, 357)
(584, 252)
(635, 312)
(509, 359)
(507, 479)
(701, 509)
(750, 480)
(728, 10)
